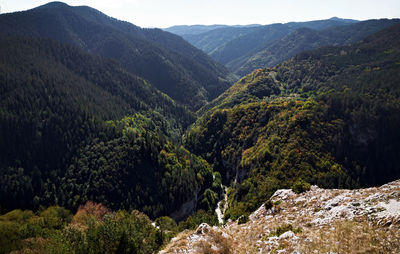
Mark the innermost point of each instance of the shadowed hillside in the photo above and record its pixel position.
(166, 60)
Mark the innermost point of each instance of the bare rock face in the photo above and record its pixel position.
(316, 221)
(205, 239)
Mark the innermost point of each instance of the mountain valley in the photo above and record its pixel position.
(245, 49)
(121, 139)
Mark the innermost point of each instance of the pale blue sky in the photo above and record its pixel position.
(165, 13)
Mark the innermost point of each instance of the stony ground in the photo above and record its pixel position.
(316, 221)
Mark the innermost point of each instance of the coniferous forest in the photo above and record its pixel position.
(114, 138)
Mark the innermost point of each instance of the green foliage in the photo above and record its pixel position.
(63, 108)
(341, 133)
(271, 143)
(132, 163)
(301, 186)
(243, 219)
(210, 41)
(307, 39)
(201, 216)
(137, 168)
(17, 225)
(209, 201)
(257, 85)
(166, 223)
(167, 61)
(52, 231)
(168, 227)
(238, 50)
(76, 127)
(55, 217)
(287, 227)
(269, 204)
(217, 182)
(245, 49)
(116, 233)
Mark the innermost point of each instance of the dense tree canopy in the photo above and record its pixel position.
(329, 117)
(77, 128)
(167, 61)
(57, 147)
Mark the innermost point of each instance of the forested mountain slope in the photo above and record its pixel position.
(329, 117)
(171, 64)
(307, 39)
(211, 41)
(217, 41)
(245, 49)
(263, 36)
(56, 146)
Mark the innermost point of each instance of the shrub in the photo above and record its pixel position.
(287, 227)
(301, 186)
(194, 220)
(56, 217)
(243, 219)
(88, 210)
(268, 204)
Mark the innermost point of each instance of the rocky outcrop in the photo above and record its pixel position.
(316, 221)
(205, 239)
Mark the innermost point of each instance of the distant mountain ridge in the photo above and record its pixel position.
(231, 33)
(166, 60)
(307, 39)
(182, 30)
(244, 49)
(194, 29)
(253, 42)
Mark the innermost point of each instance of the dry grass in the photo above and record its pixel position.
(221, 244)
(349, 222)
(352, 237)
(178, 243)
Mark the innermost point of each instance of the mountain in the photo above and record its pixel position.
(212, 40)
(306, 39)
(244, 49)
(214, 36)
(89, 142)
(168, 62)
(292, 44)
(216, 39)
(194, 29)
(228, 43)
(253, 42)
(328, 117)
(76, 127)
(361, 220)
(186, 30)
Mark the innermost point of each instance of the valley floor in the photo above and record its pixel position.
(316, 221)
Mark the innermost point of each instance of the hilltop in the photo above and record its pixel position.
(167, 61)
(316, 221)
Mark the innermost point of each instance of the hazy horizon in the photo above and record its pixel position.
(163, 14)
